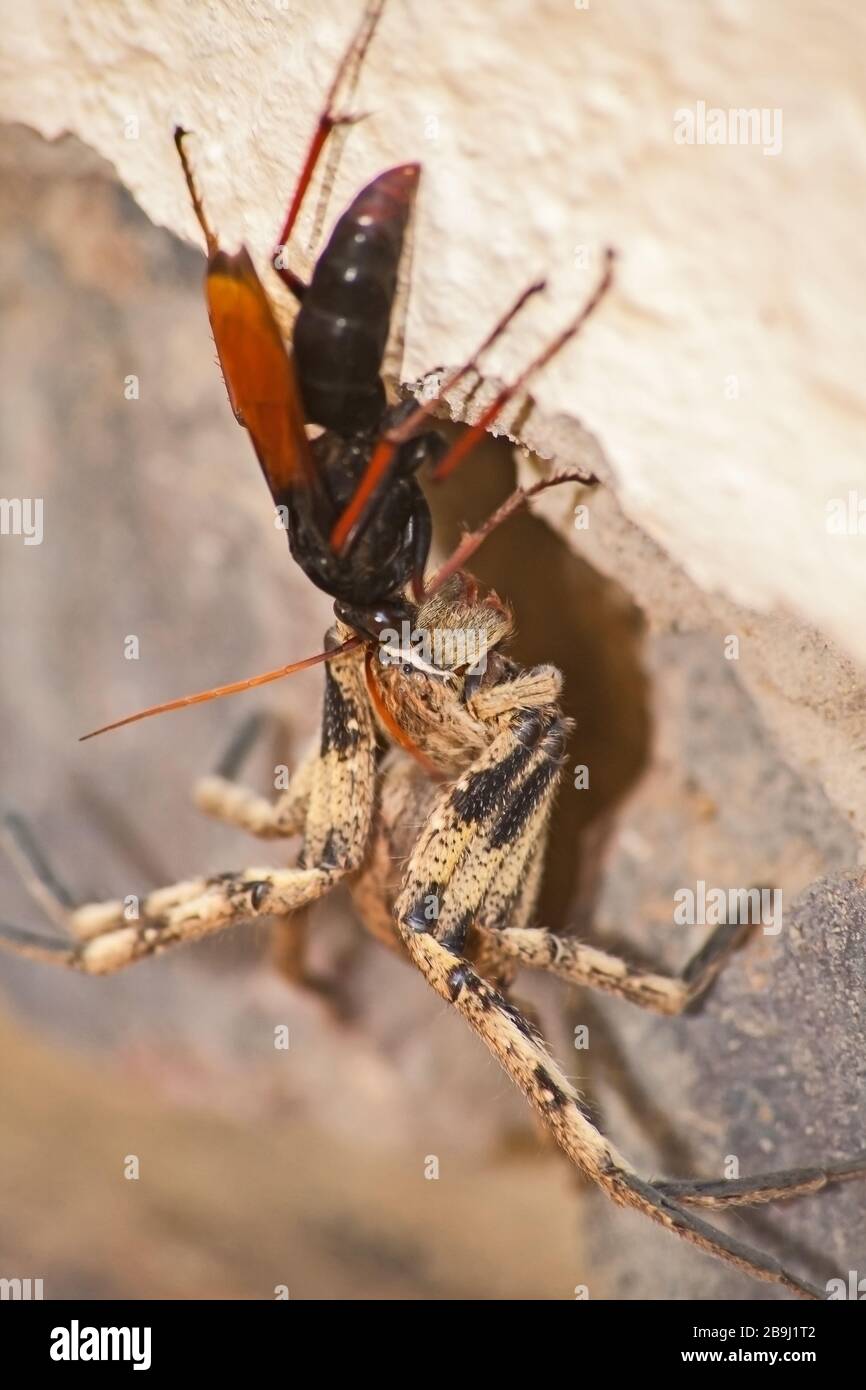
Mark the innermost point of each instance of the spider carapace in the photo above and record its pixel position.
(429, 791)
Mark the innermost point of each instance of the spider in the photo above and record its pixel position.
(426, 720)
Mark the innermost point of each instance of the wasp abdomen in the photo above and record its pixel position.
(342, 328)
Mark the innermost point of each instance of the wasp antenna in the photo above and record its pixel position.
(235, 688)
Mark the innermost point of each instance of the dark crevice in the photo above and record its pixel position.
(568, 614)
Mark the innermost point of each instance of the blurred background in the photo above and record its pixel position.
(305, 1168)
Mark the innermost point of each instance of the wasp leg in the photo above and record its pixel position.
(329, 119)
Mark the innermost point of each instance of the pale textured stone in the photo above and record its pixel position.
(544, 127)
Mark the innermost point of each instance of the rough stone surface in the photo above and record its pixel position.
(722, 379)
(715, 395)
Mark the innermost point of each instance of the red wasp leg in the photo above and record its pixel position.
(470, 438)
(411, 425)
(472, 540)
(352, 58)
(383, 457)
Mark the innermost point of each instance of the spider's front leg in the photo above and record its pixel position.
(338, 813)
(223, 797)
(472, 866)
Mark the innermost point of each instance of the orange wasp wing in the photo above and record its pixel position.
(258, 371)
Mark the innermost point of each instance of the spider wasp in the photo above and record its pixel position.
(470, 750)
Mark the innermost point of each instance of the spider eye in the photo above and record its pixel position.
(407, 668)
